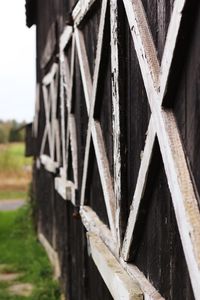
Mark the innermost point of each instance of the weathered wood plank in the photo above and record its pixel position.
(104, 172)
(120, 285)
(93, 224)
(50, 76)
(116, 114)
(65, 37)
(94, 129)
(62, 112)
(149, 292)
(73, 142)
(81, 9)
(139, 190)
(181, 187)
(84, 66)
(66, 189)
(144, 45)
(182, 191)
(170, 44)
(49, 164)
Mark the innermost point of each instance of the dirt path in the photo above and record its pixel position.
(6, 205)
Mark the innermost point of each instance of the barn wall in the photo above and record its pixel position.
(157, 248)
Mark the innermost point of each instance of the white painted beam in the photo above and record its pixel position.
(65, 37)
(104, 172)
(149, 292)
(81, 9)
(48, 163)
(120, 285)
(144, 45)
(182, 191)
(49, 77)
(65, 189)
(93, 224)
(170, 44)
(178, 176)
(84, 67)
(94, 129)
(116, 114)
(139, 189)
(73, 142)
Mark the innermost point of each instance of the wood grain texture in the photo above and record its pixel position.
(117, 280)
(159, 253)
(123, 78)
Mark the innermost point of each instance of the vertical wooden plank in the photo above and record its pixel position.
(116, 115)
(62, 108)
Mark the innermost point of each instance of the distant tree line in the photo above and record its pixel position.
(12, 131)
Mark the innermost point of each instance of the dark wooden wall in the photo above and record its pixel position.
(159, 250)
(159, 254)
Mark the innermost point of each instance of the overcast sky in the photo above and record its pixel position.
(17, 62)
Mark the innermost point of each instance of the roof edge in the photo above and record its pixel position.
(31, 12)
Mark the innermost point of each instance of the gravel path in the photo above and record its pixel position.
(6, 205)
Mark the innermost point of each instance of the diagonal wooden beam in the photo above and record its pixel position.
(139, 190)
(68, 78)
(53, 100)
(62, 109)
(69, 100)
(65, 37)
(120, 285)
(47, 107)
(57, 142)
(84, 67)
(44, 138)
(116, 114)
(73, 142)
(149, 291)
(66, 90)
(182, 190)
(97, 133)
(170, 44)
(166, 62)
(93, 224)
(144, 44)
(51, 131)
(90, 90)
(49, 77)
(104, 172)
(175, 164)
(69, 135)
(81, 9)
(87, 87)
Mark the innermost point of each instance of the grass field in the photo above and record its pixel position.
(15, 171)
(20, 252)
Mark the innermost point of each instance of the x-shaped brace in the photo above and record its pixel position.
(51, 131)
(65, 186)
(163, 125)
(69, 137)
(94, 128)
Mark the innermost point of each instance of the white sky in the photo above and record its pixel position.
(17, 62)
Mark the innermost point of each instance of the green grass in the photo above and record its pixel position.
(9, 195)
(15, 171)
(20, 251)
(12, 158)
